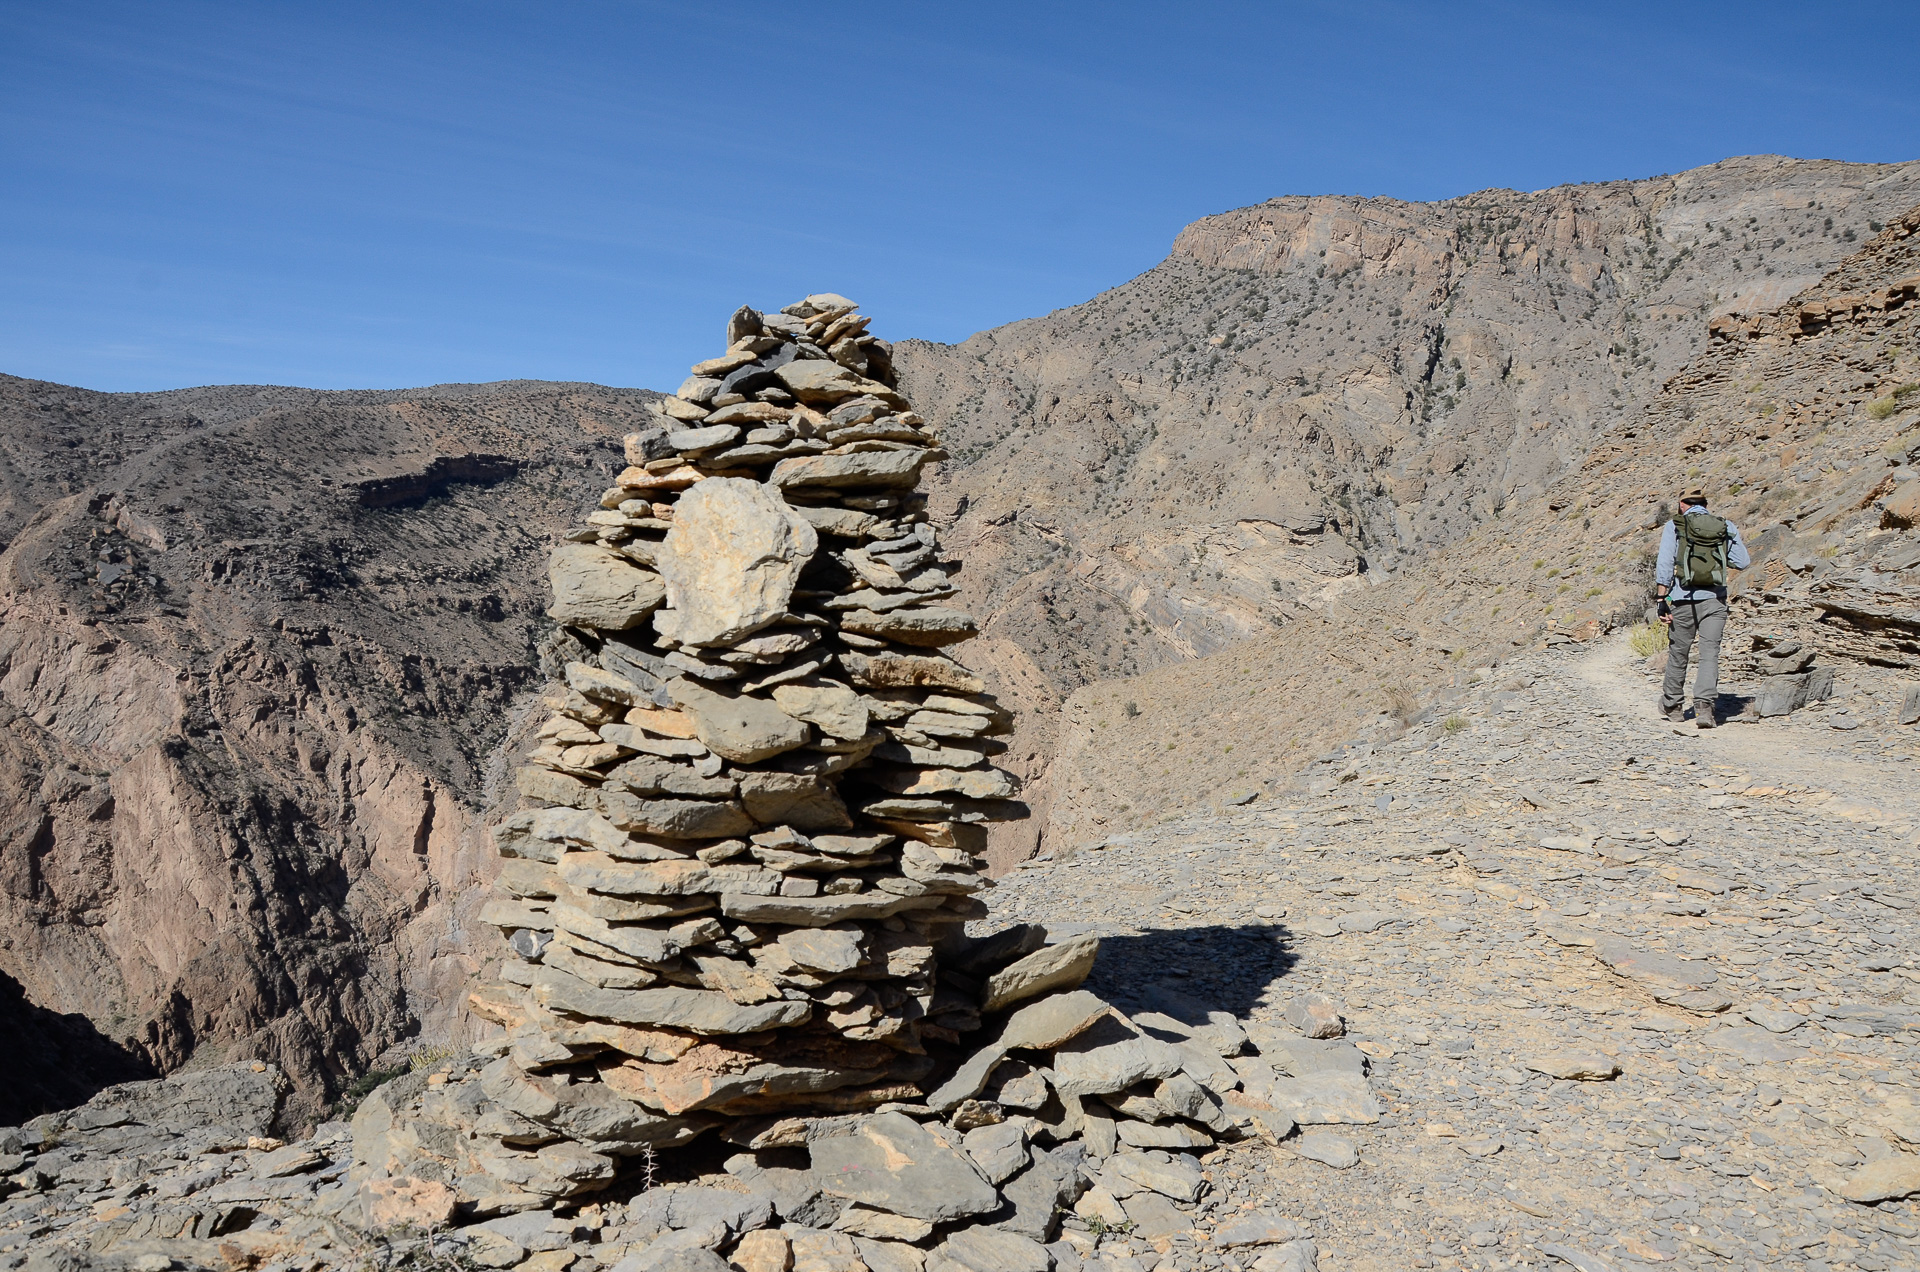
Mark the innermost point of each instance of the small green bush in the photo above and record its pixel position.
(1647, 639)
(1881, 408)
(1454, 723)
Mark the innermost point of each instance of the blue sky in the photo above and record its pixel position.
(379, 195)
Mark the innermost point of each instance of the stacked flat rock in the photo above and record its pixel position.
(756, 801)
(734, 895)
(1788, 678)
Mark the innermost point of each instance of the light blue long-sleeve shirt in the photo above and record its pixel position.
(1670, 551)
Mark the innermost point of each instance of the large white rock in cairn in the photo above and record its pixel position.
(731, 561)
(734, 904)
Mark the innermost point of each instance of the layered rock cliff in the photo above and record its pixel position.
(1309, 394)
(257, 650)
(1803, 422)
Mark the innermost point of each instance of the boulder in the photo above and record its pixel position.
(731, 560)
(836, 710)
(891, 1162)
(595, 587)
(675, 818)
(739, 728)
(1044, 1191)
(816, 382)
(1316, 1016)
(999, 1150)
(802, 801)
(1111, 1055)
(1062, 966)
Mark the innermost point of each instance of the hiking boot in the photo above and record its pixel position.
(1676, 714)
(1703, 715)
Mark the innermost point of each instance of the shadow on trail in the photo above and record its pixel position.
(1226, 968)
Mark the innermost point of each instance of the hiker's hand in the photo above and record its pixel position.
(1667, 618)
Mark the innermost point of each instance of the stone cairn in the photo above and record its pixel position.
(735, 895)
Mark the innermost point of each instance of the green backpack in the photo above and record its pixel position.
(1703, 551)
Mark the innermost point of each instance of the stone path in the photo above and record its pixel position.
(1551, 878)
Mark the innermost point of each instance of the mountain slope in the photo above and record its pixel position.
(257, 649)
(1317, 387)
(1794, 420)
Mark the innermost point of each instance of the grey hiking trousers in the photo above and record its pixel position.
(1707, 619)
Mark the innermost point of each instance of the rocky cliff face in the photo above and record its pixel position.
(257, 649)
(1214, 449)
(1800, 420)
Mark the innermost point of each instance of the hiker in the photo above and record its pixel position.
(1690, 578)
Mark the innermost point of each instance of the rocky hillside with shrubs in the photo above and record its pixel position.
(1317, 392)
(1802, 421)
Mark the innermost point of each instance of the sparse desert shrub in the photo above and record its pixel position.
(1454, 723)
(1647, 639)
(359, 1089)
(1881, 408)
(1402, 704)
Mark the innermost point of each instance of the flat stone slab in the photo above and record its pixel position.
(998, 1150)
(892, 1163)
(1575, 1066)
(1301, 1057)
(1061, 966)
(701, 1011)
(1204, 1021)
(1652, 967)
(1336, 1151)
(1884, 1180)
(1154, 1217)
(1052, 1020)
(821, 911)
(1111, 1055)
(1754, 1045)
(1171, 1175)
(1323, 1099)
(992, 1250)
(1260, 1229)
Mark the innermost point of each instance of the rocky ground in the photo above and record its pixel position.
(1543, 884)
(1625, 994)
